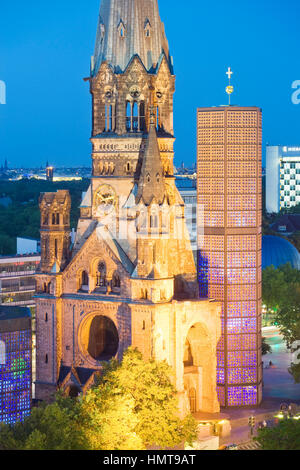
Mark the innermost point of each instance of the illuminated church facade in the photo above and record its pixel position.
(129, 279)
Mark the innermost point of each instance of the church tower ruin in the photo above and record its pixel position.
(130, 276)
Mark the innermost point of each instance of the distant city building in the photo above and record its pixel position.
(182, 170)
(15, 364)
(282, 177)
(26, 246)
(187, 187)
(229, 189)
(17, 279)
(61, 174)
(49, 173)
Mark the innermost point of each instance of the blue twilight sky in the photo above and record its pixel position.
(45, 50)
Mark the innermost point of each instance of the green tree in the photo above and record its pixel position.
(49, 427)
(281, 295)
(147, 385)
(133, 407)
(7, 245)
(108, 421)
(266, 348)
(273, 288)
(294, 370)
(285, 436)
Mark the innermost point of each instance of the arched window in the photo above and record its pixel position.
(128, 116)
(101, 275)
(116, 281)
(55, 219)
(110, 126)
(106, 117)
(47, 287)
(165, 219)
(142, 220)
(109, 118)
(135, 117)
(144, 294)
(46, 317)
(153, 221)
(122, 29)
(157, 118)
(103, 338)
(142, 116)
(188, 357)
(84, 281)
(147, 28)
(46, 359)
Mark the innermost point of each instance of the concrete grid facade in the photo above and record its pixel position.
(229, 256)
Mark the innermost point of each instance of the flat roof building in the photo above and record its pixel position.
(17, 279)
(282, 177)
(15, 364)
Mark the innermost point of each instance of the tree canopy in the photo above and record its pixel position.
(132, 407)
(49, 427)
(281, 294)
(285, 436)
(266, 348)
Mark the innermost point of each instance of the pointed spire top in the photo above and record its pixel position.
(127, 28)
(152, 182)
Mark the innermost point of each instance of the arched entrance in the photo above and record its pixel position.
(103, 338)
(197, 362)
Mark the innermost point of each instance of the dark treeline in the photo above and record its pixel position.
(21, 218)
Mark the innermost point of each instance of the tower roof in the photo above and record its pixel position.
(151, 183)
(127, 28)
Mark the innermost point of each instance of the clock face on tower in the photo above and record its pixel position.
(105, 200)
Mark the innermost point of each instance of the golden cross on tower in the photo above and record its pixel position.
(229, 88)
(229, 73)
